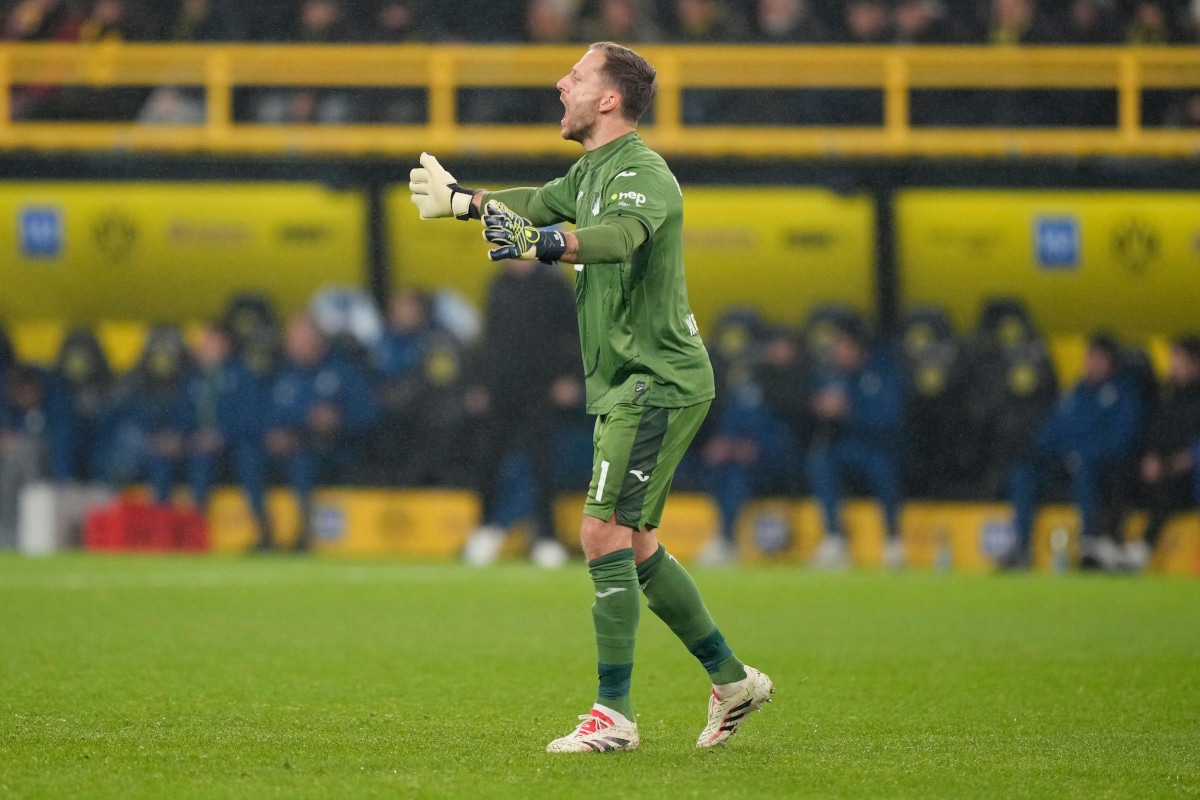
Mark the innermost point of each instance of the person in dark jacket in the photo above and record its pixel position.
(224, 407)
(321, 405)
(859, 408)
(141, 437)
(528, 377)
(29, 408)
(1089, 434)
(1168, 465)
(753, 447)
(83, 377)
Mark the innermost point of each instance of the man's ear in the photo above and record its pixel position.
(610, 102)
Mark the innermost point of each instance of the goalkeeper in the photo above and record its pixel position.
(648, 378)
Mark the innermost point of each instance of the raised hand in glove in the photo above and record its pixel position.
(436, 194)
(518, 238)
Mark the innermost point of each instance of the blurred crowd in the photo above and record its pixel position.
(857, 22)
(433, 394)
(1143, 22)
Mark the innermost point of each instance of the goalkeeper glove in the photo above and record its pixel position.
(519, 238)
(435, 193)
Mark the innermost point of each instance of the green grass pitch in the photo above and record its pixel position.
(288, 677)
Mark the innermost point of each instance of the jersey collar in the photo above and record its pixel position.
(603, 153)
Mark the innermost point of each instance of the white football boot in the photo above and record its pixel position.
(894, 556)
(831, 554)
(484, 546)
(1137, 555)
(549, 554)
(725, 716)
(598, 733)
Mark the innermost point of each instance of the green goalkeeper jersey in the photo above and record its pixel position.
(639, 338)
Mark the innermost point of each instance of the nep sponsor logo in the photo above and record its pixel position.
(638, 198)
(40, 231)
(1056, 242)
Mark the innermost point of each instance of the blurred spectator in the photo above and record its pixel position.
(396, 21)
(142, 437)
(401, 348)
(318, 22)
(866, 22)
(321, 405)
(922, 22)
(1148, 26)
(1185, 113)
(550, 21)
(1011, 387)
(1089, 22)
(753, 448)
(940, 455)
(626, 21)
(27, 411)
(1172, 434)
(787, 22)
(421, 438)
(1087, 438)
(224, 407)
(85, 381)
(859, 409)
(205, 21)
(7, 355)
(528, 376)
(194, 21)
(1018, 22)
(700, 21)
(114, 20)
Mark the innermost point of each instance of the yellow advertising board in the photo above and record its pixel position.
(1082, 260)
(82, 252)
(781, 250)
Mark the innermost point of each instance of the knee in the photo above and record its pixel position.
(599, 538)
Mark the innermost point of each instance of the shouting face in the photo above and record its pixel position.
(584, 94)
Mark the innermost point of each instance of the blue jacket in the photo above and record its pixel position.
(397, 354)
(875, 395)
(46, 421)
(746, 416)
(335, 380)
(1100, 422)
(231, 398)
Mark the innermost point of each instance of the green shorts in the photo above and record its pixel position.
(637, 449)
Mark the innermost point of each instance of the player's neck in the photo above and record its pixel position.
(604, 135)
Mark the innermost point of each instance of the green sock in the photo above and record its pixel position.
(673, 596)
(615, 615)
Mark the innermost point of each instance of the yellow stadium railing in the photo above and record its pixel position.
(443, 70)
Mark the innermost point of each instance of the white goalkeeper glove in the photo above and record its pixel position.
(436, 194)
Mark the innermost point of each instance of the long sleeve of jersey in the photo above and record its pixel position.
(612, 242)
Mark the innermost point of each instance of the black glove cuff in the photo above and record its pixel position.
(552, 247)
(472, 211)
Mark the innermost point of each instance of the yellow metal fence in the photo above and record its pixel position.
(443, 70)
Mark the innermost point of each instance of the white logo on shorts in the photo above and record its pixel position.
(641, 476)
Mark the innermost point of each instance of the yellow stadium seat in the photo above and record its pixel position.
(1068, 352)
(123, 342)
(37, 341)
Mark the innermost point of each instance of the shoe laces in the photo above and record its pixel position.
(590, 725)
